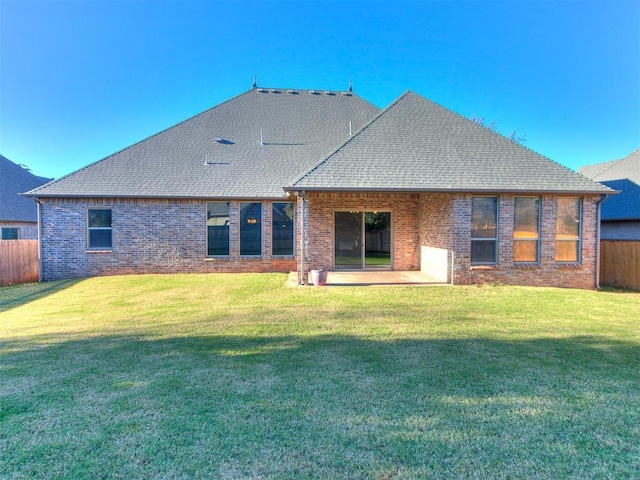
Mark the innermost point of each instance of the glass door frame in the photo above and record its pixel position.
(360, 237)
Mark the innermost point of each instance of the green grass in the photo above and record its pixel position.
(237, 376)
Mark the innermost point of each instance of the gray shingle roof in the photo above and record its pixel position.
(417, 145)
(298, 128)
(623, 175)
(15, 180)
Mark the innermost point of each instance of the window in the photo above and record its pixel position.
(9, 233)
(484, 230)
(282, 229)
(99, 226)
(568, 214)
(217, 229)
(250, 229)
(526, 229)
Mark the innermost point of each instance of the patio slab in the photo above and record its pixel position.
(372, 279)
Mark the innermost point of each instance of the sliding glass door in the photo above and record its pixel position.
(363, 240)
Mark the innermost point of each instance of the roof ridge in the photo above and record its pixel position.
(345, 93)
(54, 181)
(319, 90)
(348, 140)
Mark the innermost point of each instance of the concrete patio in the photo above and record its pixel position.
(377, 278)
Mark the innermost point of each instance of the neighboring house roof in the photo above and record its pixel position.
(15, 180)
(297, 127)
(417, 145)
(623, 175)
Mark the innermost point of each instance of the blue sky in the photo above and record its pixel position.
(80, 80)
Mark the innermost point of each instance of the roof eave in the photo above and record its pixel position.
(161, 197)
(453, 190)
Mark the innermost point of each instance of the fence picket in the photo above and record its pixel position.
(18, 262)
(620, 263)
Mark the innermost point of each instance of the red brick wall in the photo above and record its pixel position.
(547, 272)
(435, 224)
(167, 236)
(444, 221)
(320, 217)
(149, 236)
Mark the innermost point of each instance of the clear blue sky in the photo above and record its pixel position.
(83, 79)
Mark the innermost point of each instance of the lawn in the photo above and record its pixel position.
(237, 376)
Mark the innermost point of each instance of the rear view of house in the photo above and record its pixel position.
(282, 180)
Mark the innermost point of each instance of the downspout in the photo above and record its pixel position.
(39, 215)
(603, 197)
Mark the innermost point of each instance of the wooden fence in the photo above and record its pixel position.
(620, 264)
(18, 261)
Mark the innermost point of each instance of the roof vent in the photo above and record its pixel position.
(314, 92)
(292, 92)
(210, 162)
(347, 94)
(349, 90)
(273, 90)
(263, 90)
(329, 93)
(222, 141)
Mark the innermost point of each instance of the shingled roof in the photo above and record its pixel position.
(247, 147)
(15, 180)
(417, 145)
(622, 175)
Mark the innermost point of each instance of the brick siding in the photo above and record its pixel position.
(169, 236)
(444, 221)
(26, 230)
(546, 272)
(149, 236)
(320, 219)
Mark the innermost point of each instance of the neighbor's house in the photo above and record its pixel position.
(621, 213)
(18, 214)
(279, 180)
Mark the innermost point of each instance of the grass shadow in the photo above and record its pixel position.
(326, 406)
